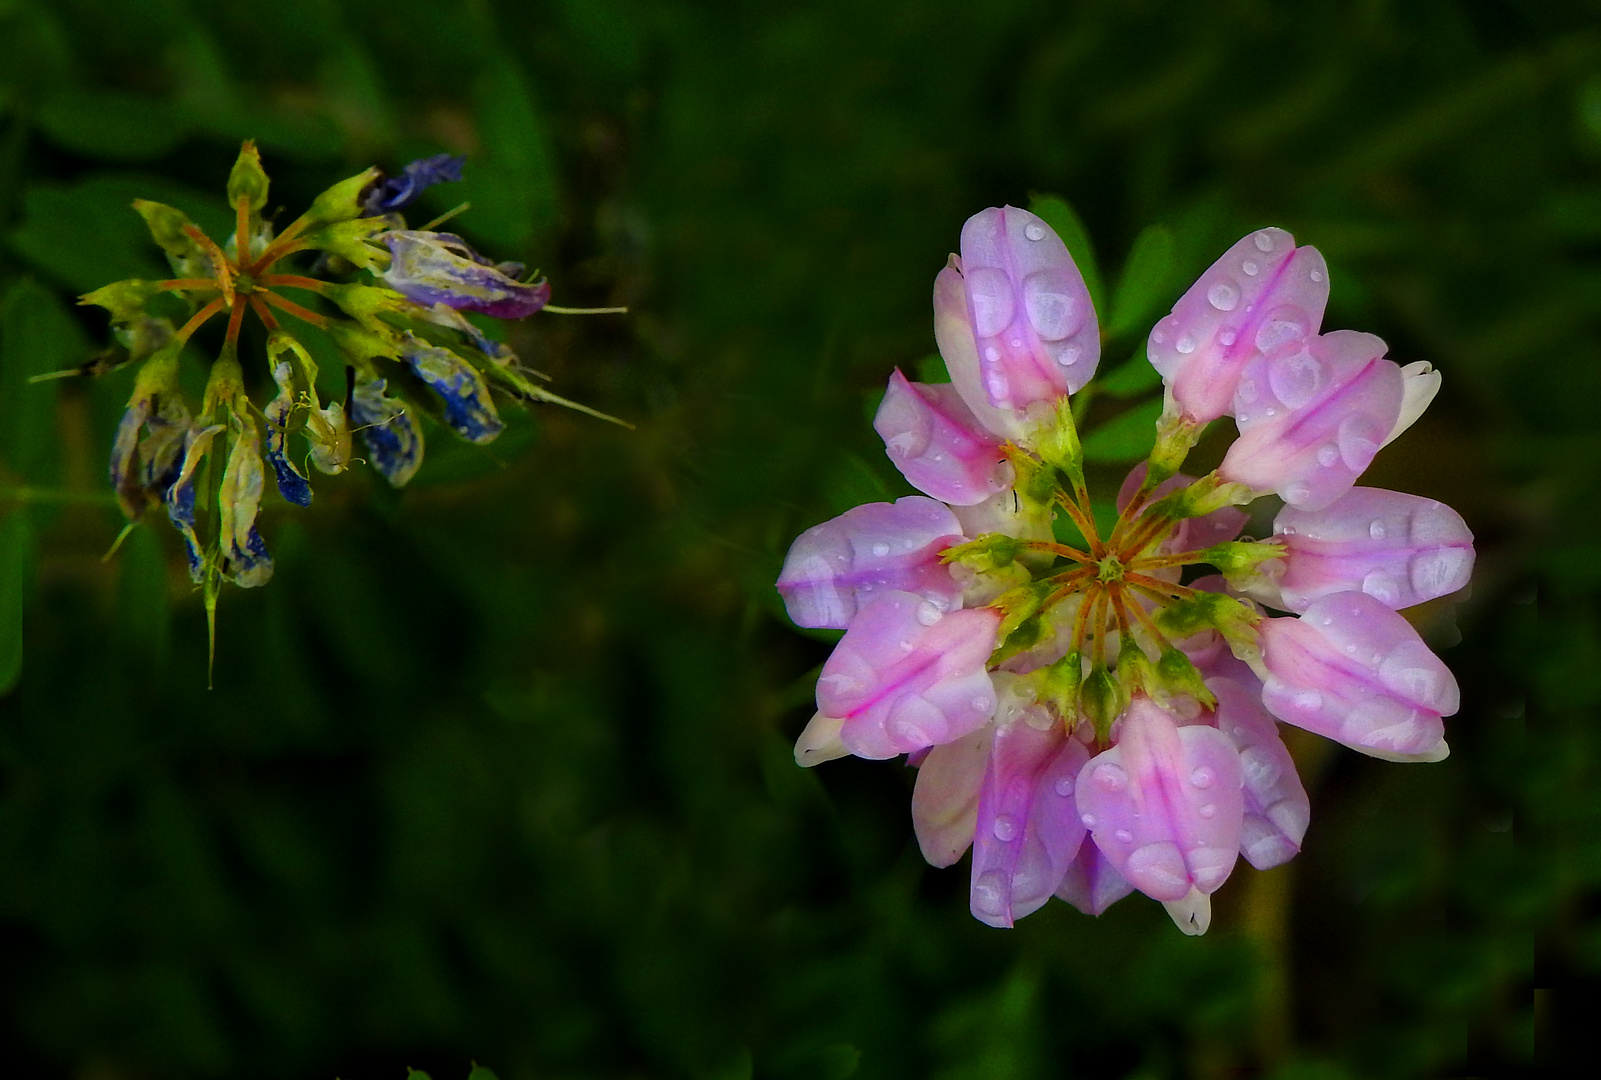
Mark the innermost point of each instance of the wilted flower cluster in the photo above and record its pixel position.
(392, 303)
(1087, 716)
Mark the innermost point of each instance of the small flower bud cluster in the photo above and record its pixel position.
(391, 299)
(1085, 718)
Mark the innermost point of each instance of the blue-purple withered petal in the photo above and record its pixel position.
(398, 192)
(439, 268)
(393, 440)
(462, 391)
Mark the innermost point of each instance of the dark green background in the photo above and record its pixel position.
(498, 768)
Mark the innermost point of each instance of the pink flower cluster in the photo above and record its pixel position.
(1085, 717)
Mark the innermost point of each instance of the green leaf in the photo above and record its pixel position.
(17, 554)
(1142, 290)
(86, 234)
(105, 124)
(1060, 216)
(931, 369)
(143, 612)
(1128, 436)
(481, 1073)
(513, 189)
(37, 335)
(1133, 376)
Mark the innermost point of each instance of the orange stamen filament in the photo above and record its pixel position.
(199, 318)
(303, 314)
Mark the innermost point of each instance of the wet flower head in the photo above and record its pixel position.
(1090, 710)
(390, 299)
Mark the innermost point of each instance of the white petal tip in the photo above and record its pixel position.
(1191, 914)
(1420, 382)
(820, 741)
(1437, 753)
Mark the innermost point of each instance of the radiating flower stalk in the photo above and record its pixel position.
(392, 300)
(1090, 709)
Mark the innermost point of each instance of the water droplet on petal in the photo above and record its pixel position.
(1110, 777)
(1381, 587)
(880, 549)
(1088, 820)
(1250, 268)
(1226, 337)
(1246, 391)
(1316, 275)
(1123, 836)
(1158, 337)
(1005, 827)
(1185, 344)
(928, 613)
(1328, 455)
(1307, 700)
(1064, 787)
(1280, 327)
(1209, 810)
(1376, 530)
(1068, 355)
(1033, 231)
(992, 354)
(1295, 378)
(1202, 777)
(906, 646)
(1223, 296)
(993, 301)
(1264, 241)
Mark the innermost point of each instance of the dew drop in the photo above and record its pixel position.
(1264, 241)
(1223, 296)
(1376, 530)
(1246, 391)
(1328, 455)
(1250, 268)
(1209, 810)
(1316, 275)
(880, 549)
(928, 613)
(1064, 787)
(1110, 777)
(1123, 836)
(1068, 355)
(1202, 777)
(992, 354)
(1033, 231)
(1185, 344)
(1307, 700)
(1005, 827)
(906, 646)
(1382, 587)
(1088, 820)
(1226, 337)
(1158, 337)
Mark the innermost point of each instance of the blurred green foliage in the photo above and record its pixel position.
(498, 768)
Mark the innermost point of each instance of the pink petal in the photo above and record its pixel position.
(1034, 331)
(1355, 671)
(938, 444)
(1400, 549)
(1259, 299)
(1092, 884)
(1027, 830)
(1312, 419)
(953, 333)
(1277, 809)
(1164, 803)
(834, 568)
(945, 798)
(906, 675)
